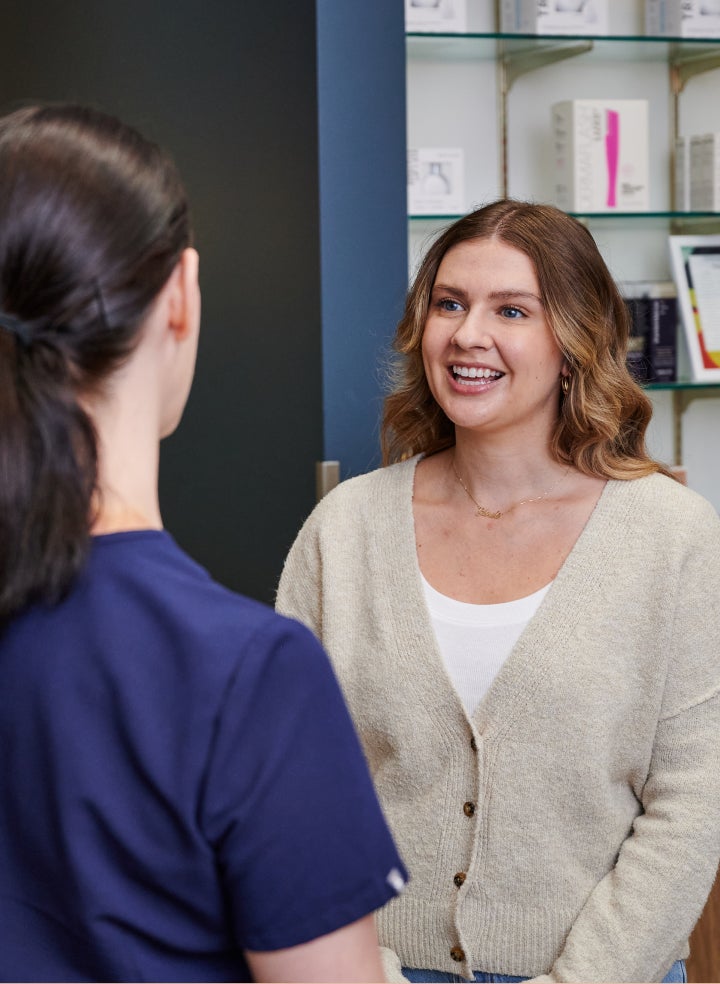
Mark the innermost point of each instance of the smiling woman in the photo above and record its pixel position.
(512, 607)
(489, 355)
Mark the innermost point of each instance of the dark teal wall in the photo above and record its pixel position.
(363, 218)
(231, 88)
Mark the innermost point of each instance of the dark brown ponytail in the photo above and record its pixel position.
(93, 219)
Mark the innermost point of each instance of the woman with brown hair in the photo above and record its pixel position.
(520, 608)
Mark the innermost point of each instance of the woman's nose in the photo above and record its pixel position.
(473, 332)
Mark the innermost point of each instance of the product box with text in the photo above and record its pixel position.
(652, 350)
(705, 172)
(682, 174)
(436, 16)
(436, 181)
(601, 155)
(554, 17)
(682, 18)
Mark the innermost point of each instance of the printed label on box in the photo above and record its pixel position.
(554, 16)
(704, 160)
(436, 15)
(436, 184)
(682, 18)
(682, 175)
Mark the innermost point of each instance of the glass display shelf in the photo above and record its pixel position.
(663, 216)
(487, 45)
(682, 384)
(599, 216)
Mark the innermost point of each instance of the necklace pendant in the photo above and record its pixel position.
(487, 513)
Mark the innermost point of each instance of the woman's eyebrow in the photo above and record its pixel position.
(508, 293)
(448, 287)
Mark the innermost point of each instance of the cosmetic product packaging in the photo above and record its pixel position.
(436, 16)
(653, 344)
(554, 17)
(682, 18)
(682, 174)
(436, 181)
(705, 172)
(601, 155)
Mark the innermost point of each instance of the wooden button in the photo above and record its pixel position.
(473, 743)
(469, 809)
(459, 878)
(458, 954)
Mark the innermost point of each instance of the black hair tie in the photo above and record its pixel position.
(17, 327)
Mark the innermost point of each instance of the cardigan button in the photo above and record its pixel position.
(473, 743)
(458, 954)
(459, 878)
(469, 809)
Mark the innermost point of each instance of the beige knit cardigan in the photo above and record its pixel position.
(570, 830)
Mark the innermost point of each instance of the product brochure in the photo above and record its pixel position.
(696, 269)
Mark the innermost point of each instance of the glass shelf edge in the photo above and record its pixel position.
(493, 36)
(680, 384)
(435, 218)
(645, 215)
(591, 216)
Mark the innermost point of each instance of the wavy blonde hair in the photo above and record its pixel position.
(603, 418)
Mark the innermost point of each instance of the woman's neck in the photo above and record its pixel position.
(121, 517)
(502, 468)
(128, 465)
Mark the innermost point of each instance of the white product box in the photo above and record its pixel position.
(436, 16)
(601, 155)
(705, 172)
(682, 174)
(682, 18)
(554, 17)
(436, 181)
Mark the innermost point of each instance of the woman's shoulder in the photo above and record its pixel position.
(666, 490)
(149, 570)
(667, 504)
(355, 517)
(375, 488)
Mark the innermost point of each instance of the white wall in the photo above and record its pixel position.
(453, 102)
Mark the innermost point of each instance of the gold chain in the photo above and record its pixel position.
(488, 513)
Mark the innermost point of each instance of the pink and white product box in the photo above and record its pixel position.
(436, 16)
(436, 181)
(554, 17)
(601, 155)
(682, 18)
(705, 172)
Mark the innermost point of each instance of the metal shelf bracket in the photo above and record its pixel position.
(519, 62)
(512, 63)
(684, 67)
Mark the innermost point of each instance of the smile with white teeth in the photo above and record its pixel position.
(462, 373)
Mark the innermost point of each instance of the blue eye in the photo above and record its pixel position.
(512, 312)
(448, 304)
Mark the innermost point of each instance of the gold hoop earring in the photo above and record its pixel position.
(565, 384)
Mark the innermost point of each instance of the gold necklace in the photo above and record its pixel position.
(488, 513)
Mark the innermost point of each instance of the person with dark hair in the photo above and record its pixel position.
(521, 610)
(182, 793)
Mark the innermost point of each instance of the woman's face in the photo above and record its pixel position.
(491, 360)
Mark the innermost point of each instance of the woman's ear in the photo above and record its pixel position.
(184, 296)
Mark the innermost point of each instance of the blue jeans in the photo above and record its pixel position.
(675, 975)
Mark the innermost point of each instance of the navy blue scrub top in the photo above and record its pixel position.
(180, 780)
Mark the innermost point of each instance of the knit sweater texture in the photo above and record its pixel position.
(579, 808)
